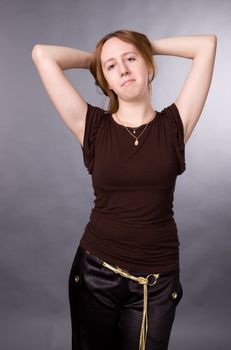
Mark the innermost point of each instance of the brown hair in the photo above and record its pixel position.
(142, 44)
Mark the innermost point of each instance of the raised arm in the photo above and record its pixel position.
(202, 50)
(51, 61)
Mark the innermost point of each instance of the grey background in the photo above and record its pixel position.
(46, 192)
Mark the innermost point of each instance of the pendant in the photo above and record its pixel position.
(134, 131)
(136, 142)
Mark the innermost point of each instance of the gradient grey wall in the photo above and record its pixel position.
(46, 193)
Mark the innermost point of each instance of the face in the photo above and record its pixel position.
(124, 69)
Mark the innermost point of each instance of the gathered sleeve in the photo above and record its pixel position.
(94, 117)
(176, 130)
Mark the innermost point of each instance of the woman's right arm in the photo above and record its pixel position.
(51, 61)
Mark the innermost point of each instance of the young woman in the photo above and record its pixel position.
(124, 283)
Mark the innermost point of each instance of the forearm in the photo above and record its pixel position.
(65, 57)
(183, 46)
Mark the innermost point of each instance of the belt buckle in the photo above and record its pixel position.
(155, 279)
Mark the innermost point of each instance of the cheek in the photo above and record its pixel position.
(145, 74)
(108, 79)
(145, 78)
(112, 82)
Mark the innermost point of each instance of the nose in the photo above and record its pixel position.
(124, 69)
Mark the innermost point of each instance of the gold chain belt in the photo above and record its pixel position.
(141, 280)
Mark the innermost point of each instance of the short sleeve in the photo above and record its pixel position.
(94, 117)
(176, 130)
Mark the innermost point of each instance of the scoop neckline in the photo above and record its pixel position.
(134, 127)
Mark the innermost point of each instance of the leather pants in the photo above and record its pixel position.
(106, 308)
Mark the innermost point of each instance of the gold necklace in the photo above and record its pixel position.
(134, 131)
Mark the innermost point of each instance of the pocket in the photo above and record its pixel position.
(176, 293)
(75, 276)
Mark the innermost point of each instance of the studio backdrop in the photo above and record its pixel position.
(46, 192)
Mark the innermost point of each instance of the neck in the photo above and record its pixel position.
(135, 113)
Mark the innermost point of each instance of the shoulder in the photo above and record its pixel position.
(174, 124)
(173, 119)
(95, 109)
(95, 115)
(171, 111)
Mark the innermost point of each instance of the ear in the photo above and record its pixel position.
(150, 70)
(150, 73)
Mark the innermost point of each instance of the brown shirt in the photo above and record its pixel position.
(132, 224)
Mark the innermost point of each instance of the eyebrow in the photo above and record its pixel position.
(124, 54)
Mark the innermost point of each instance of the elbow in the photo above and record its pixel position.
(213, 44)
(210, 43)
(36, 52)
(213, 39)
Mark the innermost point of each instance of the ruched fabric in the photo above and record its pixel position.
(132, 221)
(95, 116)
(93, 119)
(176, 129)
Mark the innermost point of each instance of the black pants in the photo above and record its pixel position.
(106, 308)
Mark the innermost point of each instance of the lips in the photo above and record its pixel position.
(127, 82)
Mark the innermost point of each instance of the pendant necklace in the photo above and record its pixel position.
(134, 130)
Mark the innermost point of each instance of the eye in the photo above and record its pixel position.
(110, 67)
(131, 58)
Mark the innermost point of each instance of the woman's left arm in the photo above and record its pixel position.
(202, 50)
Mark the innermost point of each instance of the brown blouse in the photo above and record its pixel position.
(132, 223)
